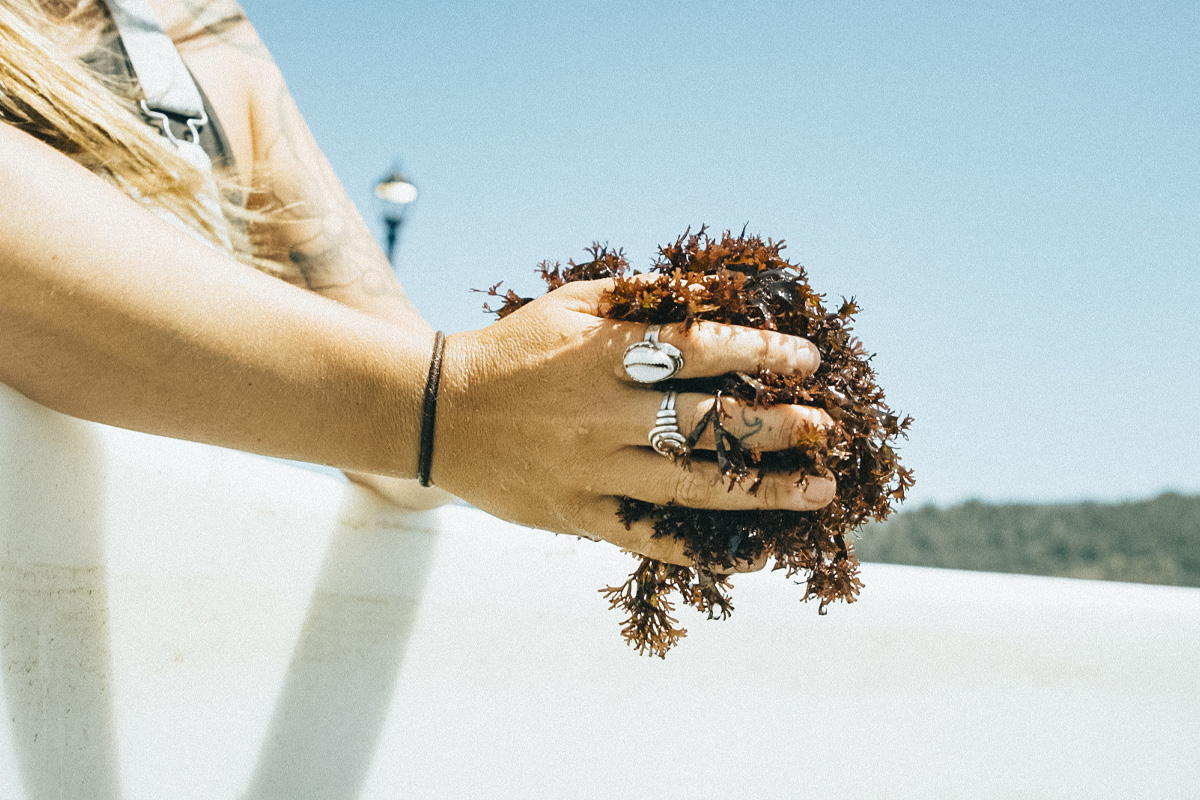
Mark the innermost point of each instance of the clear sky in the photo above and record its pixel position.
(1011, 190)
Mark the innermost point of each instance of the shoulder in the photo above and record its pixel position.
(200, 24)
(229, 61)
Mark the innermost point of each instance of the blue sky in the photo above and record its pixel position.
(1012, 191)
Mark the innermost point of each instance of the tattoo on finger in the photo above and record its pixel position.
(753, 425)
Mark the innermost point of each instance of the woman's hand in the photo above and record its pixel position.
(538, 422)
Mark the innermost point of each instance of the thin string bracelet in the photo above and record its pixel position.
(429, 410)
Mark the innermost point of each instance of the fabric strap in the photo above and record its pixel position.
(166, 83)
(169, 92)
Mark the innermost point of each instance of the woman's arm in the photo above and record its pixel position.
(110, 314)
(315, 229)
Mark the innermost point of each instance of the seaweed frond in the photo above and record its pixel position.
(745, 280)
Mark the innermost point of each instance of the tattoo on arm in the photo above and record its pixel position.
(309, 222)
(322, 264)
(326, 239)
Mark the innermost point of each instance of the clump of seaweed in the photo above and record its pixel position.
(743, 280)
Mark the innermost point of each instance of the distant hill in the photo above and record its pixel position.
(1153, 541)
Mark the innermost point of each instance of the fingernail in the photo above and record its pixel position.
(804, 359)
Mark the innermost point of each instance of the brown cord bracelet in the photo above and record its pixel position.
(429, 410)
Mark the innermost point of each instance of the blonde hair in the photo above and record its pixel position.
(50, 94)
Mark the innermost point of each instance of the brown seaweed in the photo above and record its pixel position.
(743, 280)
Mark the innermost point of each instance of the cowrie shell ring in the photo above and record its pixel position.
(651, 361)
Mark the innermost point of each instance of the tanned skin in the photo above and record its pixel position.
(315, 227)
(111, 314)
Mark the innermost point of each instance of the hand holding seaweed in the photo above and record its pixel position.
(744, 281)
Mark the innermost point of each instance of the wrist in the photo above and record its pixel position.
(455, 445)
(429, 411)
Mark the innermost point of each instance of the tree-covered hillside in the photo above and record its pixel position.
(1153, 541)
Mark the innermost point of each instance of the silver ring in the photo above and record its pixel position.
(665, 437)
(651, 361)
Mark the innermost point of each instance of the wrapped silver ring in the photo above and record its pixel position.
(651, 361)
(665, 437)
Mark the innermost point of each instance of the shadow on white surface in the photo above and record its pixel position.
(340, 681)
(54, 610)
(188, 622)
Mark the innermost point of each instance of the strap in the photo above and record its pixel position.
(166, 83)
(168, 89)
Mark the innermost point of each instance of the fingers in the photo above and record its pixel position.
(643, 474)
(774, 428)
(708, 348)
(639, 538)
(713, 348)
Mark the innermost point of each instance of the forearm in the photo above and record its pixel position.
(316, 228)
(109, 314)
(310, 225)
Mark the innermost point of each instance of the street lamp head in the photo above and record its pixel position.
(394, 192)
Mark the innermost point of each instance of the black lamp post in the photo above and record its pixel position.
(394, 193)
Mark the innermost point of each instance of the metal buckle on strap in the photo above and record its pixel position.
(194, 125)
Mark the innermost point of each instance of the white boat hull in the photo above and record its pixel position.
(180, 621)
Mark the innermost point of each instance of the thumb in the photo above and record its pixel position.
(587, 296)
(583, 296)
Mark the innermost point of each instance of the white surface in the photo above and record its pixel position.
(178, 621)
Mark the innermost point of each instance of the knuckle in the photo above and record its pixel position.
(775, 493)
(697, 354)
(806, 421)
(795, 422)
(690, 489)
(819, 491)
(763, 347)
(610, 351)
(696, 413)
(582, 434)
